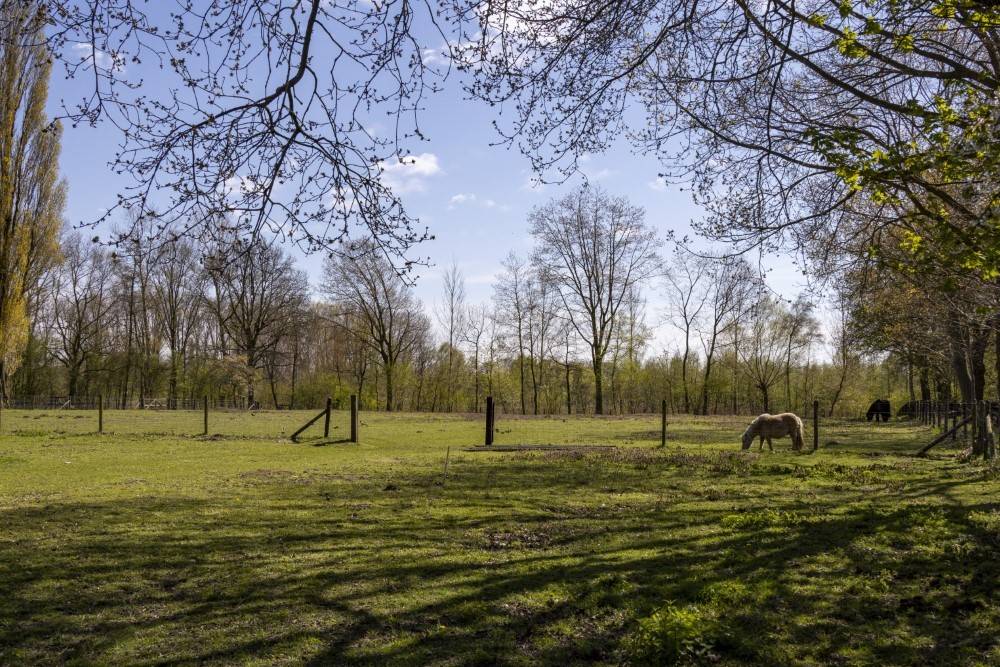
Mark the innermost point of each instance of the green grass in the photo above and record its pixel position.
(152, 545)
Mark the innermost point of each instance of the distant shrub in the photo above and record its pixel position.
(674, 635)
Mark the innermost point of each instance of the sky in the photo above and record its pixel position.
(473, 195)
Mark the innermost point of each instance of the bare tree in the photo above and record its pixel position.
(511, 294)
(478, 319)
(542, 314)
(367, 289)
(82, 307)
(266, 111)
(801, 331)
(451, 316)
(594, 249)
(732, 284)
(801, 109)
(844, 357)
(763, 351)
(178, 286)
(256, 293)
(687, 293)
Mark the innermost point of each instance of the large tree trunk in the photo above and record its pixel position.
(569, 393)
(708, 372)
(475, 368)
(837, 392)
(598, 386)
(977, 362)
(960, 367)
(765, 394)
(925, 383)
(388, 387)
(909, 380)
(996, 354)
(684, 375)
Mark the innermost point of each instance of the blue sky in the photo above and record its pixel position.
(473, 196)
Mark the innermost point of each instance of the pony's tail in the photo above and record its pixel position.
(800, 434)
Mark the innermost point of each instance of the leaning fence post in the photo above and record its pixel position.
(354, 418)
(204, 407)
(326, 420)
(489, 420)
(663, 423)
(815, 425)
(100, 413)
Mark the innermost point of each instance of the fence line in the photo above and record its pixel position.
(116, 403)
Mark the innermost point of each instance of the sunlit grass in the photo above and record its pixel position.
(151, 544)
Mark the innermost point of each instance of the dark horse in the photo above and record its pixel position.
(880, 410)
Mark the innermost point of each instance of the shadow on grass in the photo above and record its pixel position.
(540, 560)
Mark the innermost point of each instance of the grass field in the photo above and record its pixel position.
(149, 545)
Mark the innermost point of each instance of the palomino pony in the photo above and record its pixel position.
(775, 426)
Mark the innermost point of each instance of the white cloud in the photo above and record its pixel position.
(659, 184)
(409, 173)
(461, 198)
(432, 57)
(470, 198)
(90, 54)
(241, 186)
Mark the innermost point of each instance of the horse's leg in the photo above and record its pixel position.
(761, 447)
(770, 447)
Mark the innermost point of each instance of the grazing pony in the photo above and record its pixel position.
(880, 410)
(775, 426)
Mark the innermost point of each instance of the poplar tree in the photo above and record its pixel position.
(32, 196)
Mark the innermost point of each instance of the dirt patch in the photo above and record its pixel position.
(519, 538)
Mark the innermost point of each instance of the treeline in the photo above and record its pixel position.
(567, 330)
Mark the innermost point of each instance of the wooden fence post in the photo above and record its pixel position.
(326, 420)
(204, 409)
(663, 423)
(354, 418)
(815, 425)
(100, 413)
(489, 420)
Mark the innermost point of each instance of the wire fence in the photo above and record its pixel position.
(118, 403)
(208, 418)
(947, 424)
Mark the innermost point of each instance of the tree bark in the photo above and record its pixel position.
(598, 386)
(389, 386)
